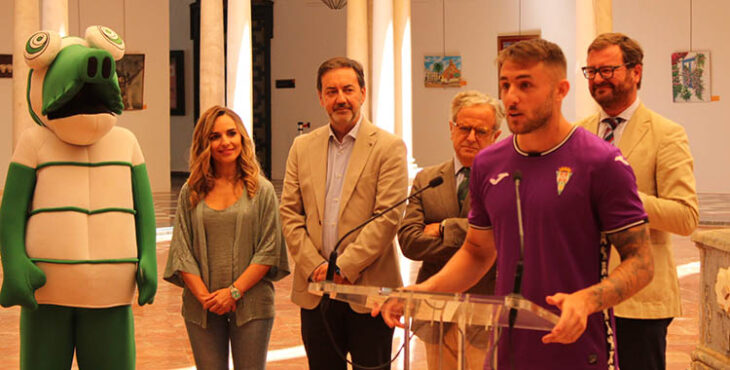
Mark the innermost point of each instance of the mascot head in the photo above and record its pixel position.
(72, 85)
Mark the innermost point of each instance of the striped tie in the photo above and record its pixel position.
(612, 122)
(463, 189)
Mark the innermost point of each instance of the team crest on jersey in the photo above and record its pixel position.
(563, 175)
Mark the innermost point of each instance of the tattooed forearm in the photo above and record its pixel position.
(635, 271)
(629, 242)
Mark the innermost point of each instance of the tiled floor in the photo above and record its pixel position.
(162, 342)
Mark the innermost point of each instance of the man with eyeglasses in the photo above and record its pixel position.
(435, 223)
(658, 151)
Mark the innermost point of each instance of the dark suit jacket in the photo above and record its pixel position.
(436, 205)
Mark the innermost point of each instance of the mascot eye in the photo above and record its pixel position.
(105, 38)
(41, 49)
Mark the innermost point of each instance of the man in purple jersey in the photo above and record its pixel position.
(575, 190)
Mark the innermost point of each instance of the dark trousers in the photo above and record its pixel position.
(642, 343)
(366, 338)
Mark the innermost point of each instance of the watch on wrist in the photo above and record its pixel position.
(235, 293)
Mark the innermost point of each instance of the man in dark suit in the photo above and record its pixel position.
(435, 223)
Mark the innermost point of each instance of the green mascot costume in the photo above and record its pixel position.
(77, 224)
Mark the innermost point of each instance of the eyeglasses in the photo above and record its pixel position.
(464, 130)
(606, 72)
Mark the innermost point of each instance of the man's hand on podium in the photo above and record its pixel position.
(392, 308)
(574, 311)
(320, 274)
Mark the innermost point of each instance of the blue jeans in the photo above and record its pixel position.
(249, 343)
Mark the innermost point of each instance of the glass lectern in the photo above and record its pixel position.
(427, 313)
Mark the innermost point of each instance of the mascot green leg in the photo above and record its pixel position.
(103, 337)
(46, 337)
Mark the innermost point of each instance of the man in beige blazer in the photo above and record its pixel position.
(337, 177)
(658, 151)
(435, 223)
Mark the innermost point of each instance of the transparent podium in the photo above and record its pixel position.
(427, 314)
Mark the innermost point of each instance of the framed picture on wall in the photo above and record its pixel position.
(504, 41)
(130, 72)
(691, 76)
(442, 71)
(6, 66)
(177, 83)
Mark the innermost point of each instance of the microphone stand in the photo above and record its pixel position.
(332, 262)
(517, 287)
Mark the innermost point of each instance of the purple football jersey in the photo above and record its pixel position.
(570, 195)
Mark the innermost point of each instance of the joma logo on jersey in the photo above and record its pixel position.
(563, 175)
(498, 178)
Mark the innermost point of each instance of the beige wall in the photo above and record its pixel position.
(662, 27)
(305, 34)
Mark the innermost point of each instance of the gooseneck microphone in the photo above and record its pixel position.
(517, 288)
(332, 263)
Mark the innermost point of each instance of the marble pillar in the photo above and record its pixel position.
(212, 60)
(54, 16)
(403, 78)
(585, 32)
(26, 20)
(358, 43)
(382, 68)
(239, 87)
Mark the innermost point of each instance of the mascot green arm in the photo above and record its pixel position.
(21, 277)
(146, 235)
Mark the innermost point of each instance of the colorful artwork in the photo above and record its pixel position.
(691, 76)
(130, 71)
(442, 71)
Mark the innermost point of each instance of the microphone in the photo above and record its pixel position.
(517, 287)
(332, 262)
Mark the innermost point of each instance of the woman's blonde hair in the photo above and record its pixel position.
(202, 171)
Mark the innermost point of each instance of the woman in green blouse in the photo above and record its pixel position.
(227, 247)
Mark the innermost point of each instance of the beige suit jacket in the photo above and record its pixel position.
(658, 151)
(376, 178)
(437, 205)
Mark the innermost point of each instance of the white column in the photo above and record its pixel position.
(239, 91)
(26, 21)
(403, 78)
(585, 32)
(383, 93)
(212, 63)
(603, 10)
(358, 42)
(54, 16)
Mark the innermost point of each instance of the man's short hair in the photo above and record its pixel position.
(340, 62)
(471, 98)
(631, 50)
(533, 51)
